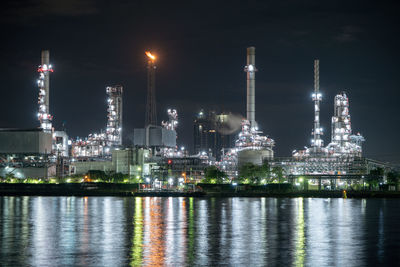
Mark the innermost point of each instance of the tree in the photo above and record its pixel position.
(375, 176)
(248, 173)
(98, 175)
(118, 177)
(278, 173)
(266, 172)
(393, 178)
(214, 175)
(254, 174)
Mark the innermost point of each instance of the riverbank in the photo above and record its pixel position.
(113, 189)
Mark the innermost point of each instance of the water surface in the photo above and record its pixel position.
(153, 231)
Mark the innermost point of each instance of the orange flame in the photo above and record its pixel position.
(152, 57)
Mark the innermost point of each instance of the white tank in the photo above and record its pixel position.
(257, 157)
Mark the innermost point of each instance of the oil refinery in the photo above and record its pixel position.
(222, 140)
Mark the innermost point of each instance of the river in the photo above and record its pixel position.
(155, 231)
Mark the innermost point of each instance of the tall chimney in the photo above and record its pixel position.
(44, 92)
(251, 78)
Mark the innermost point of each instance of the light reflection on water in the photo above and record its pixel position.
(154, 231)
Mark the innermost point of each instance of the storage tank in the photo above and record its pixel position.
(255, 156)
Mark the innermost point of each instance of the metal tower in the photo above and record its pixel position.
(250, 68)
(343, 142)
(114, 116)
(341, 124)
(316, 142)
(151, 112)
(44, 70)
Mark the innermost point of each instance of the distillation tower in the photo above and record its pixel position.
(342, 154)
(114, 116)
(343, 142)
(44, 70)
(151, 111)
(100, 145)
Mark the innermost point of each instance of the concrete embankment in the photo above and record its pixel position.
(111, 189)
(308, 194)
(87, 189)
(68, 189)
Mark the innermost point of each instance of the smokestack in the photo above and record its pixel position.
(44, 92)
(251, 78)
(46, 62)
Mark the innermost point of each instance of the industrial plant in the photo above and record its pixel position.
(222, 139)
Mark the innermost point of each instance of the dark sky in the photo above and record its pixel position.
(201, 49)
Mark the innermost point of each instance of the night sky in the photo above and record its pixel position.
(201, 50)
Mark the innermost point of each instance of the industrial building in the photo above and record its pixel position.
(158, 138)
(99, 145)
(128, 161)
(26, 153)
(341, 161)
(214, 132)
(31, 152)
(251, 145)
(225, 140)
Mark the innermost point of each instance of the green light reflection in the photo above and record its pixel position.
(137, 249)
(191, 234)
(300, 238)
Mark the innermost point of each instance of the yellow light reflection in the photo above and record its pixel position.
(136, 256)
(300, 238)
(154, 243)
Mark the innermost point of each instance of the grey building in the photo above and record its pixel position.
(24, 153)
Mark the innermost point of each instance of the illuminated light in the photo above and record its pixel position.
(250, 68)
(151, 56)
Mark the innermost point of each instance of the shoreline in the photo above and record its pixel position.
(131, 190)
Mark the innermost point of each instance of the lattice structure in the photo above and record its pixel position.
(250, 138)
(316, 142)
(343, 142)
(92, 146)
(151, 110)
(172, 124)
(114, 116)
